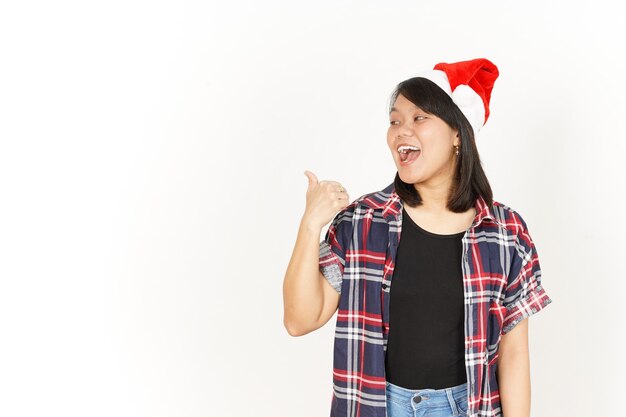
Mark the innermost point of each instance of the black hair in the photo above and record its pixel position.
(469, 180)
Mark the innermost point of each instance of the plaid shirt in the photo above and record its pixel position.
(501, 281)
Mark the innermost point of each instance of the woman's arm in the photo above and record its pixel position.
(513, 372)
(308, 301)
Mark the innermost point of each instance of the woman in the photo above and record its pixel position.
(464, 269)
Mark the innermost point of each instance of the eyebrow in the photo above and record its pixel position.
(395, 109)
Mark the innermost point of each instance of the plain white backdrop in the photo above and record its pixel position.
(151, 179)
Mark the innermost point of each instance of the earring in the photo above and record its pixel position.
(457, 149)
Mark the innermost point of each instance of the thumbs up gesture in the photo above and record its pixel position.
(323, 200)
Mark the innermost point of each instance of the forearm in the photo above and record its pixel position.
(513, 373)
(302, 290)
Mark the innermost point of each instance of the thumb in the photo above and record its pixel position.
(312, 178)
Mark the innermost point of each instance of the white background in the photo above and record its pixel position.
(151, 180)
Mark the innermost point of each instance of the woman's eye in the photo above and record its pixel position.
(417, 118)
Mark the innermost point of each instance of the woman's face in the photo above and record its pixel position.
(434, 162)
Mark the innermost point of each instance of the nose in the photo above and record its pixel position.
(404, 134)
(404, 129)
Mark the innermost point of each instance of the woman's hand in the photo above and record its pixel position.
(323, 200)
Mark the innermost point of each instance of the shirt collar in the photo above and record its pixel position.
(390, 203)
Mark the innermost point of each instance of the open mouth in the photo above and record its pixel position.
(408, 154)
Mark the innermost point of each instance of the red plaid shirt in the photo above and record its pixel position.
(501, 281)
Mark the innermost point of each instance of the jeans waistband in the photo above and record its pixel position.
(443, 393)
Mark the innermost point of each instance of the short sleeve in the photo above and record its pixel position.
(332, 250)
(524, 294)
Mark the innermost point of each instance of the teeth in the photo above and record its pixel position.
(405, 148)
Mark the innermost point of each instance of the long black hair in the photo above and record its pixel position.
(469, 179)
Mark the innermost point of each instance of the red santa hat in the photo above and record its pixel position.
(469, 83)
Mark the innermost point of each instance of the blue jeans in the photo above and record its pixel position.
(444, 402)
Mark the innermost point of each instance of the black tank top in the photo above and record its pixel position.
(425, 345)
